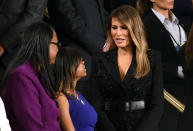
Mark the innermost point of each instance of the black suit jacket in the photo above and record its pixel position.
(117, 3)
(107, 86)
(15, 17)
(185, 121)
(80, 24)
(158, 38)
(183, 10)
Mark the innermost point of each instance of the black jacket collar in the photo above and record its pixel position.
(156, 23)
(111, 64)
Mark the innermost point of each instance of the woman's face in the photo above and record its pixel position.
(81, 70)
(53, 50)
(163, 4)
(120, 33)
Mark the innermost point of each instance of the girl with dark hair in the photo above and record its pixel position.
(28, 90)
(75, 112)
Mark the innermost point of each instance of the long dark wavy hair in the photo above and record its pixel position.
(35, 48)
(67, 61)
(189, 50)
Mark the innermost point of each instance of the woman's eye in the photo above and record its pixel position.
(124, 27)
(114, 27)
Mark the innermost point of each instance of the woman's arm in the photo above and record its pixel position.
(95, 97)
(152, 117)
(22, 103)
(65, 118)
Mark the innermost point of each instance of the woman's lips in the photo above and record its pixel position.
(119, 40)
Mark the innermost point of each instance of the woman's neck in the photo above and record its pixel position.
(164, 12)
(125, 51)
(75, 82)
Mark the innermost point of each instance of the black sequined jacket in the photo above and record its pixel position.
(107, 86)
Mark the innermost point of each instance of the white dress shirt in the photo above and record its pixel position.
(4, 123)
(173, 28)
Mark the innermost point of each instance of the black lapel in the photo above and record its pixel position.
(131, 71)
(157, 24)
(110, 63)
(186, 29)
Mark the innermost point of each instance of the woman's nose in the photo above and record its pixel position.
(119, 32)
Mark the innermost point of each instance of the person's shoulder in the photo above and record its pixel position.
(22, 78)
(24, 71)
(26, 68)
(153, 52)
(105, 55)
(153, 55)
(62, 98)
(146, 16)
(150, 20)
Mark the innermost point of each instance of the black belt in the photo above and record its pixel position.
(124, 106)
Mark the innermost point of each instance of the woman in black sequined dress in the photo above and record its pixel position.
(127, 86)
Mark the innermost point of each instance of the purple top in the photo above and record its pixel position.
(28, 106)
